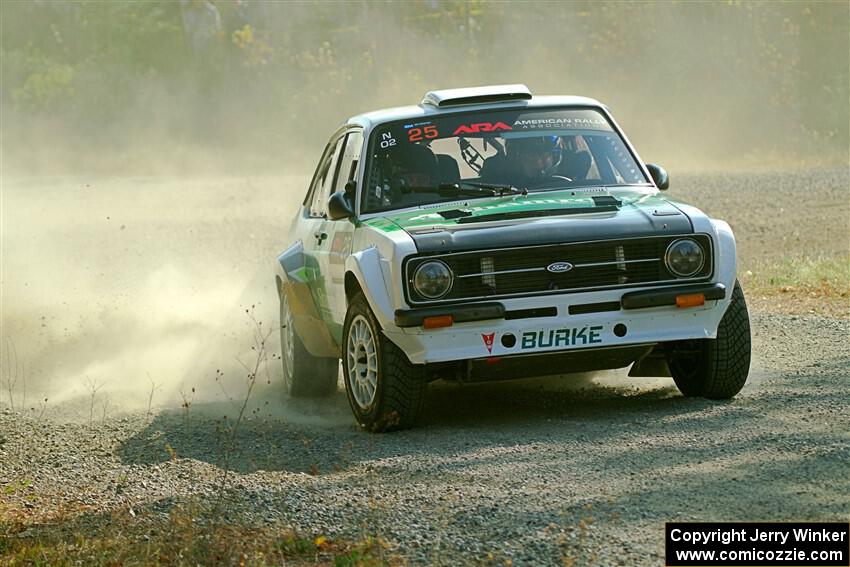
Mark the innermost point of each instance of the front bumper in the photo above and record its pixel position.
(591, 320)
(656, 297)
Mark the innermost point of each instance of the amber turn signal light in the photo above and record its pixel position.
(690, 300)
(438, 321)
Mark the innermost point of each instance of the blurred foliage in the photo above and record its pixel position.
(45, 85)
(259, 75)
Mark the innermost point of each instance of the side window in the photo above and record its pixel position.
(347, 165)
(320, 190)
(613, 160)
(318, 177)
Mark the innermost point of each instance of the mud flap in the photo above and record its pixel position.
(651, 365)
(309, 325)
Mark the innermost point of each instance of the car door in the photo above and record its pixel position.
(313, 231)
(306, 288)
(334, 238)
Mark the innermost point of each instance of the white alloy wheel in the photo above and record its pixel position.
(362, 358)
(384, 389)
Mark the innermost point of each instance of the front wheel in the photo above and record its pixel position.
(386, 391)
(715, 368)
(304, 375)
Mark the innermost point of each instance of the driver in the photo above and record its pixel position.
(534, 159)
(527, 162)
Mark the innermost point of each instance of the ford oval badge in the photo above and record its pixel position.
(558, 267)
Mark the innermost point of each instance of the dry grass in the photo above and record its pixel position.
(798, 286)
(187, 535)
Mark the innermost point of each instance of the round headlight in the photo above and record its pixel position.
(432, 280)
(684, 257)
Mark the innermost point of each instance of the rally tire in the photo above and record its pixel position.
(400, 386)
(304, 375)
(717, 368)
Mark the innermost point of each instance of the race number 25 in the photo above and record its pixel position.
(416, 134)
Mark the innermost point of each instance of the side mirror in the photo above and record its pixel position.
(339, 206)
(662, 181)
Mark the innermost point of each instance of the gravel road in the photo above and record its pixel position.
(515, 470)
(583, 467)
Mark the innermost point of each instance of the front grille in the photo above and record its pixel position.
(511, 272)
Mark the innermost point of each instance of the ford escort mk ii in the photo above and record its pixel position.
(490, 234)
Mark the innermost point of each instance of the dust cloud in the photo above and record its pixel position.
(128, 285)
(154, 153)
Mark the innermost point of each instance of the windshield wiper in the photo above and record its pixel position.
(476, 188)
(467, 188)
(559, 187)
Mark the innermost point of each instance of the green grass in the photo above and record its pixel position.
(825, 276)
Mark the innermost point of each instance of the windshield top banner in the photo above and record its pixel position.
(503, 123)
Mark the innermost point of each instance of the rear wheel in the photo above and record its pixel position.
(304, 375)
(715, 368)
(386, 391)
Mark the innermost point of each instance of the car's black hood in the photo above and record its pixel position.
(541, 219)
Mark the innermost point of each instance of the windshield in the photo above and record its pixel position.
(414, 163)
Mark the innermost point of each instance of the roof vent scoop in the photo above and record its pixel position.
(476, 95)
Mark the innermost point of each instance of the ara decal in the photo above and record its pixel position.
(481, 127)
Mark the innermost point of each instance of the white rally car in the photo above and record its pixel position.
(489, 234)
